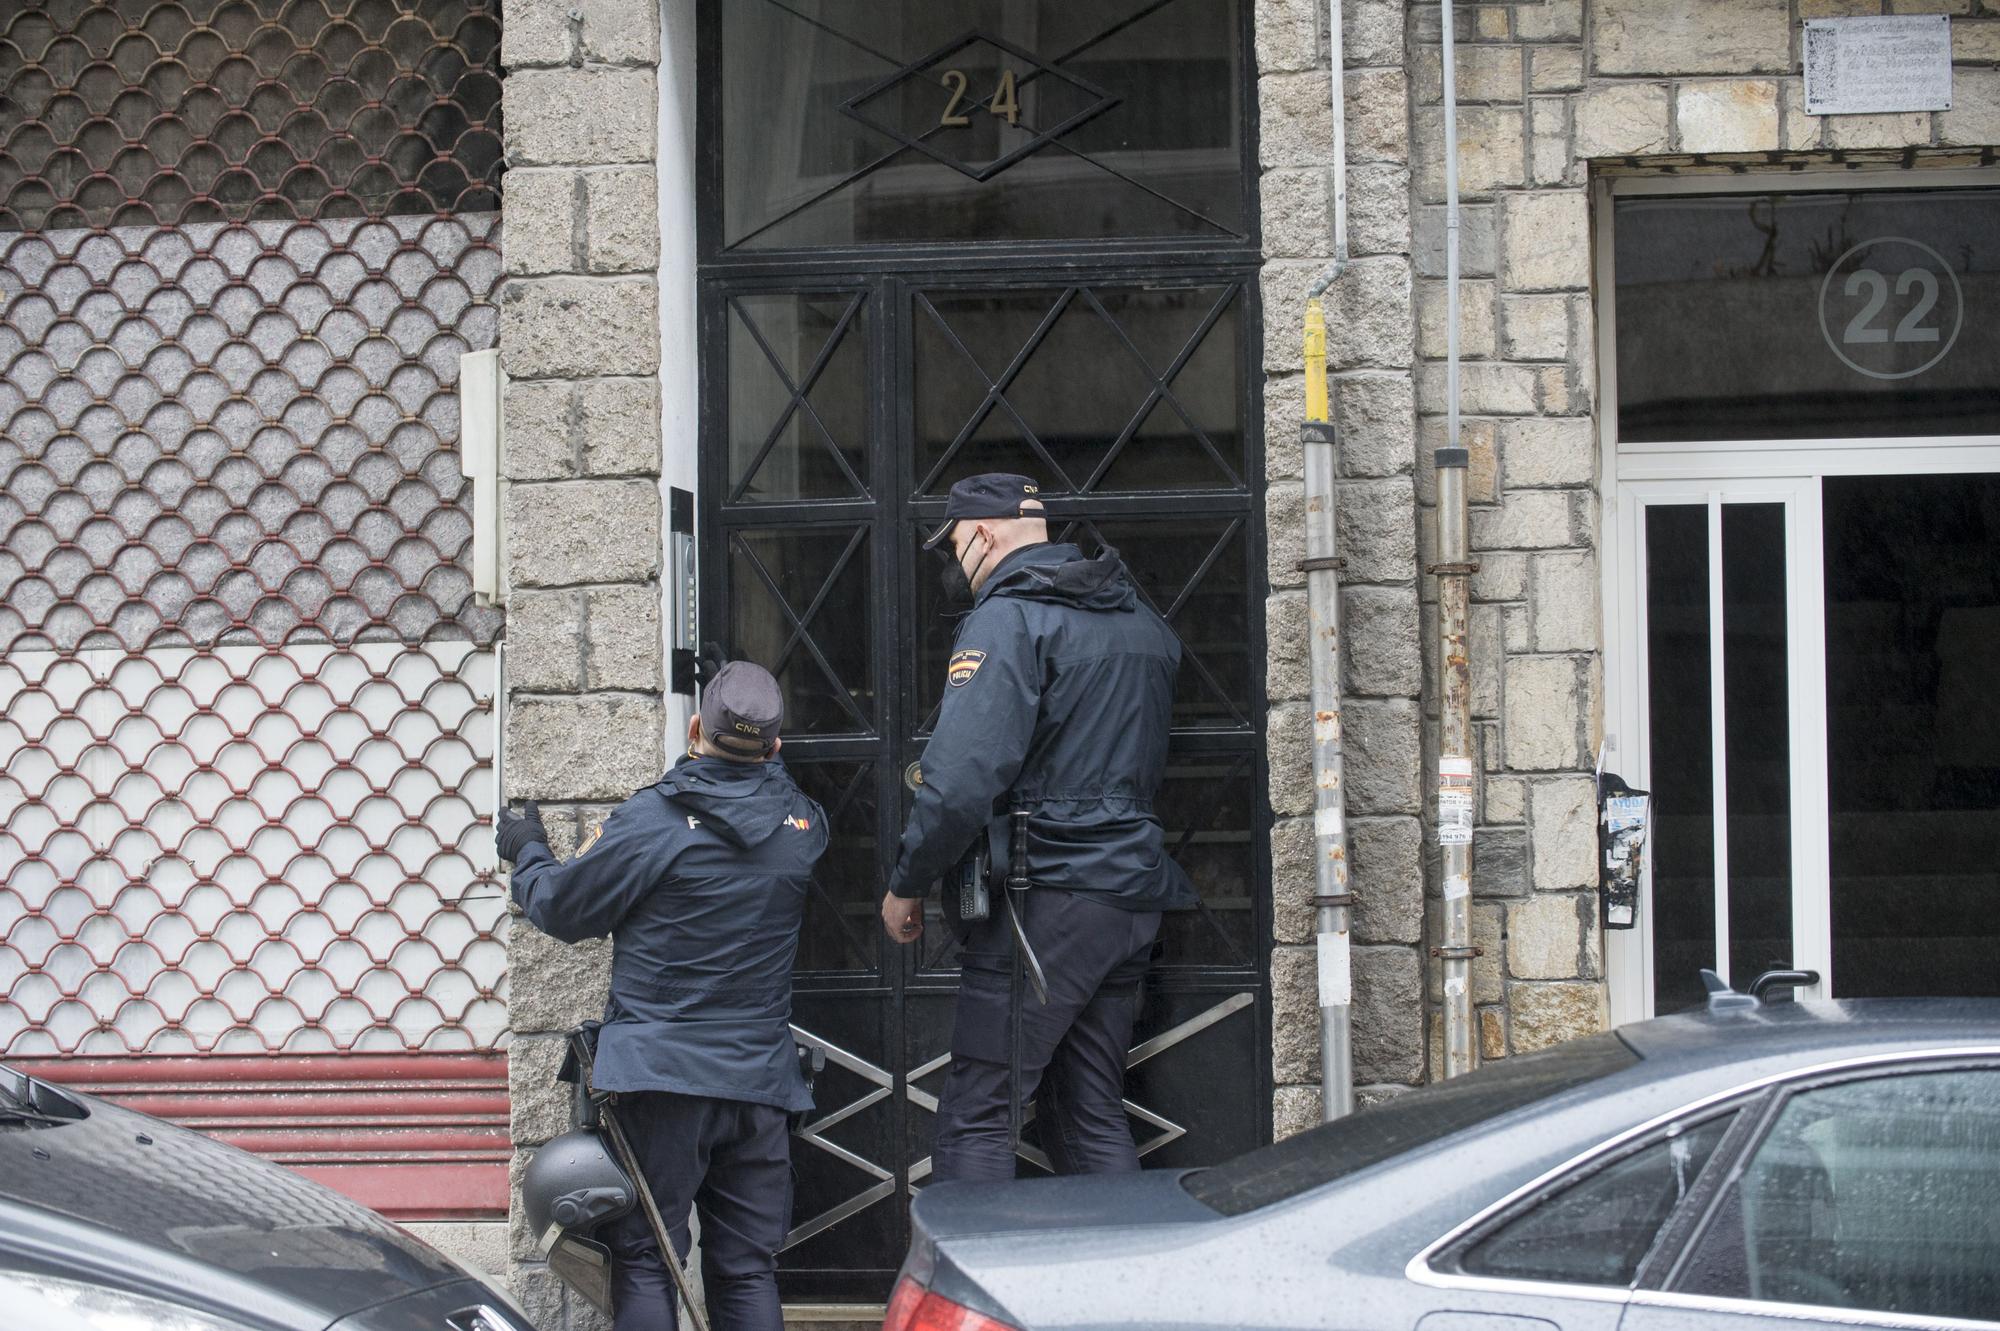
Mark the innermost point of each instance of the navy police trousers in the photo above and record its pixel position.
(1094, 956)
(732, 1161)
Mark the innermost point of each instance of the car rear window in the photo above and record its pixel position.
(1371, 1136)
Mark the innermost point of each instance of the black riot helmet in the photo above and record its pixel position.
(571, 1187)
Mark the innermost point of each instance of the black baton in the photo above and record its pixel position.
(1017, 896)
(1024, 961)
(630, 1163)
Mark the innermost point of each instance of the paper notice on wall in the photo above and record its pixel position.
(1454, 817)
(1865, 66)
(1454, 773)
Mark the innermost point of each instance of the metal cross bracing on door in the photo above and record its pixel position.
(897, 94)
(1160, 390)
(841, 414)
(882, 1085)
(946, 239)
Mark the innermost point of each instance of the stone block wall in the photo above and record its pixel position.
(1372, 336)
(580, 342)
(1527, 385)
(1552, 94)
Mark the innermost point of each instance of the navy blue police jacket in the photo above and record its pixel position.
(701, 882)
(1058, 699)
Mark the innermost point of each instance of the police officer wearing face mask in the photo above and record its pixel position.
(1058, 698)
(701, 882)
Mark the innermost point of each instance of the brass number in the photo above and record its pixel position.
(1006, 102)
(956, 81)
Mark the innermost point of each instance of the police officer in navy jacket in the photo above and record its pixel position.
(1058, 700)
(701, 882)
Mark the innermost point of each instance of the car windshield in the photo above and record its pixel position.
(1381, 1132)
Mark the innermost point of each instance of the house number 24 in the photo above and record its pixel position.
(1005, 102)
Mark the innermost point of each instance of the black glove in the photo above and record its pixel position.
(711, 661)
(513, 832)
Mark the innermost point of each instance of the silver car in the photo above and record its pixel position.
(1750, 1167)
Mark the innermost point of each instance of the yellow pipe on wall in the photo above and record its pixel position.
(1316, 399)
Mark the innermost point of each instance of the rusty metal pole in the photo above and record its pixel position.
(1331, 900)
(1453, 570)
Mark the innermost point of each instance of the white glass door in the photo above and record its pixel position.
(1723, 704)
(1804, 672)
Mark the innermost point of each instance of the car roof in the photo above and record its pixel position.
(1618, 1079)
(1719, 1036)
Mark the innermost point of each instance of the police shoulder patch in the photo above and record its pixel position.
(596, 831)
(964, 665)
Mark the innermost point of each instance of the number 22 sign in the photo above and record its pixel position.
(1891, 308)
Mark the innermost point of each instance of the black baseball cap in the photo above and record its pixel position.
(993, 494)
(741, 709)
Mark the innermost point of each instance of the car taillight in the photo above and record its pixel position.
(914, 1308)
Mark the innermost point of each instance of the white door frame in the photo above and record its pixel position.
(680, 371)
(1631, 957)
(1731, 470)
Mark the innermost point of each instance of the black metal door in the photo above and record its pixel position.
(846, 383)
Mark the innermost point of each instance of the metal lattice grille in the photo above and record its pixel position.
(211, 110)
(248, 850)
(246, 696)
(239, 432)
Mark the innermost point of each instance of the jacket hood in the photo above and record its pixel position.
(1057, 572)
(745, 802)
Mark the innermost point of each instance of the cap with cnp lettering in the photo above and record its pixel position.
(741, 709)
(995, 494)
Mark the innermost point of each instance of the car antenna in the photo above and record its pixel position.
(1721, 998)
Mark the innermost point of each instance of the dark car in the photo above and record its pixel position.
(111, 1219)
(1804, 1166)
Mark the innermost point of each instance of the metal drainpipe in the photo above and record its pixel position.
(1331, 900)
(1453, 570)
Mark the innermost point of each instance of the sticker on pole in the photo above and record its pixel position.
(1336, 979)
(1454, 817)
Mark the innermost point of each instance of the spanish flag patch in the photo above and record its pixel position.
(964, 665)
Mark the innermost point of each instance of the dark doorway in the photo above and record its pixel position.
(958, 237)
(1913, 733)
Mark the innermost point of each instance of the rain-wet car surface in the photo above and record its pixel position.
(111, 1218)
(1795, 1165)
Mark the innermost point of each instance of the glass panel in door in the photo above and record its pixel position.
(1913, 733)
(1719, 742)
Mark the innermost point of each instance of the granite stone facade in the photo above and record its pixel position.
(1554, 95)
(580, 343)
